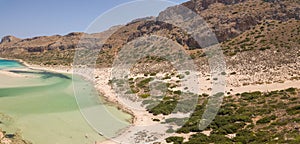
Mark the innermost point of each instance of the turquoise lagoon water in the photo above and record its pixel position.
(42, 106)
(4, 64)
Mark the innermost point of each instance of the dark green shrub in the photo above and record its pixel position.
(198, 138)
(293, 110)
(290, 90)
(187, 72)
(280, 123)
(244, 137)
(230, 128)
(152, 74)
(156, 120)
(146, 95)
(175, 140)
(250, 96)
(144, 82)
(266, 119)
(178, 92)
(180, 76)
(223, 73)
(164, 107)
(219, 139)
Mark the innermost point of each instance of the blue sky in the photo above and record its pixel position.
(29, 18)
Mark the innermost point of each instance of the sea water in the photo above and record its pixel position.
(4, 64)
(42, 106)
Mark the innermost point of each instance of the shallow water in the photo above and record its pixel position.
(43, 107)
(4, 64)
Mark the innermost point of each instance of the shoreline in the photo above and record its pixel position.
(102, 76)
(69, 70)
(56, 69)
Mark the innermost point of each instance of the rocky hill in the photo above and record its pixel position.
(248, 30)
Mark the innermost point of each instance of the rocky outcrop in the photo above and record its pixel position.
(226, 18)
(200, 5)
(229, 18)
(9, 39)
(12, 138)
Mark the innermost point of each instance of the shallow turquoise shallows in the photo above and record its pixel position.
(42, 106)
(4, 64)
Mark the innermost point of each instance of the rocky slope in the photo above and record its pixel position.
(250, 32)
(227, 18)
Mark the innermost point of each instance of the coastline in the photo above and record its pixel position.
(55, 69)
(102, 77)
(68, 70)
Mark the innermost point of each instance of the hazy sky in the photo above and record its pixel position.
(29, 18)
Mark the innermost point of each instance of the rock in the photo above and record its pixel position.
(75, 34)
(6, 141)
(8, 39)
(1, 135)
(10, 135)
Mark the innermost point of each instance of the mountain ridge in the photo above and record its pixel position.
(227, 18)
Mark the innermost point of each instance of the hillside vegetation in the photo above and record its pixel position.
(254, 117)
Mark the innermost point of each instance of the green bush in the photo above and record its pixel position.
(192, 125)
(152, 74)
(293, 110)
(226, 111)
(219, 139)
(280, 123)
(180, 76)
(244, 137)
(144, 82)
(264, 48)
(242, 118)
(178, 92)
(290, 90)
(175, 140)
(198, 138)
(230, 128)
(146, 95)
(250, 96)
(164, 107)
(266, 119)
(187, 72)
(156, 120)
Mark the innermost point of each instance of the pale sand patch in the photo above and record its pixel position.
(10, 74)
(231, 136)
(56, 69)
(265, 87)
(6, 141)
(1, 135)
